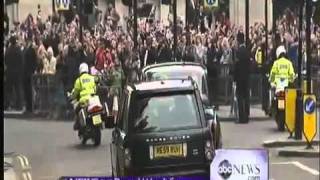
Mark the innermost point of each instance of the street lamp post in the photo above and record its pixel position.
(174, 29)
(266, 27)
(135, 24)
(299, 100)
(308, 43)
(247, 23)
(80, 11)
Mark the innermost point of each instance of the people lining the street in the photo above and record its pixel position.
(109, 47)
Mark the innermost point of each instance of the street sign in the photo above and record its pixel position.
(62, 5)
(309, 117)
(210, 3)
(290, 109)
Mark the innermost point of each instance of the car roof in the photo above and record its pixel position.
(165, 85)
(185, 65)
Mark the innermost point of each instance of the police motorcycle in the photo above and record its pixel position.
(278, 102)
(92, 118)
(280, 79)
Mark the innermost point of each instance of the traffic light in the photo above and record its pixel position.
(8, 2)
(127, 2)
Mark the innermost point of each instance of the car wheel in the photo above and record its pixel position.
(218, 137)
(83, 140)
(117, 169)
(280, 120)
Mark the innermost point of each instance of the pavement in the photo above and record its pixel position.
(256, 113)
(53, 148)
(288, 147)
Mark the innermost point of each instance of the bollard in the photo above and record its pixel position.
(290, 109)
(299, 116)
(309, 118)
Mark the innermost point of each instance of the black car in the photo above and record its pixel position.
(163, 129)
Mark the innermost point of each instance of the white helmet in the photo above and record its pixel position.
(83, 68)
(280, 50)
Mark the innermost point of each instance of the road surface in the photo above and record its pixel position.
(54, 149)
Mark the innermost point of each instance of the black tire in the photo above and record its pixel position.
(280, 120)
(82, 137)
(84, 141)
(97, 136)
(218, 137)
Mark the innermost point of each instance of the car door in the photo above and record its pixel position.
(117, 136)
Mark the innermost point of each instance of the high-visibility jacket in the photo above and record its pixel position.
(84, 88)
(282, 69)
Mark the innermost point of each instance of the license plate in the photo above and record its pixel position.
(96, 119)
(280, 104)
(171, 150)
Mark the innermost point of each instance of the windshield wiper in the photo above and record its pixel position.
(151, 128)
(142, 123)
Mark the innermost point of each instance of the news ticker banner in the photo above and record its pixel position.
(228, 164)
(139, 178)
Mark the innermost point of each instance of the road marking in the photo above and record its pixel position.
(47, 177)
(301, 166)
(24, 162)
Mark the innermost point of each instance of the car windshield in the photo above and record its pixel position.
(165, 112)
(165, 73)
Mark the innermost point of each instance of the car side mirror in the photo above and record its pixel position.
(205, 100)
(118, 133)
(210, 113)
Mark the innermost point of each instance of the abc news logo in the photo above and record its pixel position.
(226, 169)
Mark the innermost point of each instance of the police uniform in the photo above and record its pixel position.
(84, 88)
(281, 69)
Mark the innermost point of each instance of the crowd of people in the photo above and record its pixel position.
(53, 48)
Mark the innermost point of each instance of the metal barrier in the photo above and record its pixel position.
(43, 86)
(49, 96)
(220, 89)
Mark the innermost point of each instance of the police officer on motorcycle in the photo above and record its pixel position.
(84, 88)
(282, 69)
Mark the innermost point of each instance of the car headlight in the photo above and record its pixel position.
(127, 157)
(151, 152)
(208, 150)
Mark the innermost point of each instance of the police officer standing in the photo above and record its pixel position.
(13, 60)
(241, 77)
(30, 65)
